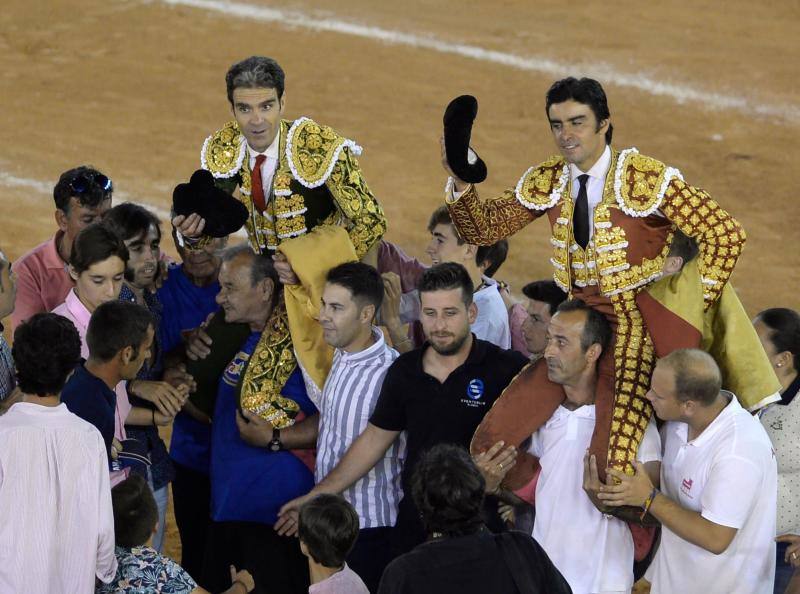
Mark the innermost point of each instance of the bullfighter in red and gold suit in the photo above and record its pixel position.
(613, 214)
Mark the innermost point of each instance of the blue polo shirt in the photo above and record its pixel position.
(250, 484)
(89, 397)
(186, 306)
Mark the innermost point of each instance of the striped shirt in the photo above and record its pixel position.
(348, 398)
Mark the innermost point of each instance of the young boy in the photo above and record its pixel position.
(328, 528)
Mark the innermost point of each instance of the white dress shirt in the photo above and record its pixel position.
(594, 185)
(56, 520)
(269, 165)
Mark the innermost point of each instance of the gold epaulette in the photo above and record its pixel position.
(640, 182)
(540, 187)
(312, 151)
(224, 151)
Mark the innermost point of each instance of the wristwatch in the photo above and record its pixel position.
(275, 444)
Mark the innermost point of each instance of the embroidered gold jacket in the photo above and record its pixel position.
(630, 240)
(317, 182)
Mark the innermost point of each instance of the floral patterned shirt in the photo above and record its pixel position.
(142, 570)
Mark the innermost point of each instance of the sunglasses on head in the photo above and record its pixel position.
(84, 182)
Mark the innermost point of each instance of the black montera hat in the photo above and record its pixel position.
(223, 213)
(463, 161)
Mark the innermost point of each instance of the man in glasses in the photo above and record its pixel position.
(81, 195)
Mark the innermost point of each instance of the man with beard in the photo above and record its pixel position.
(140, 230)
(438, 393)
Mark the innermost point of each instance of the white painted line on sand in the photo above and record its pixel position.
(604, 72)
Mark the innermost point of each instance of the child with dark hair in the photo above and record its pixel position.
(328, 529)
(140, 568)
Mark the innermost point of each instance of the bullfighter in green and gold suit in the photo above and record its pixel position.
(632, 205)
(317, 181)
(308, 207)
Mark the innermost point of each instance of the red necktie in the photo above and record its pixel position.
(256, 187)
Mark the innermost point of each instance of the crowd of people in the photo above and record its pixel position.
(347, 419)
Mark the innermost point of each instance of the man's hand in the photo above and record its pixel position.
(177, 376)
(198, 344)
(191, 226)
(390, 308)
(285, 271)
(288, 515)
(253, 429)
(116, 448)
(495, 463)
(244, 578)
(592, 483)
(631, 490)
(792, 555)
(458, 184)
(168, 399)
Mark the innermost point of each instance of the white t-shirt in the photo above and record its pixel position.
(728, 474)
(491, 324)
(593, 551)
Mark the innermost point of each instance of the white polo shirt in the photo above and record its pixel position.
(593, 551)
(728, 474)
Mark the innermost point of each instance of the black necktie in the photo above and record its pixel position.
(580, 215)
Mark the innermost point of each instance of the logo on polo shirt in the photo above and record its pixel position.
(686, 486)
(475, 390)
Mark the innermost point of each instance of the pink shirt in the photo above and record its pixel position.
(56, 520)
(76, 312)
(42, 281)
(345, 581)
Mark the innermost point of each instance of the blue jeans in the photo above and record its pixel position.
(783, 570)
(162, 499)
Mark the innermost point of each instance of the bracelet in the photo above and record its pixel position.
(648, 502)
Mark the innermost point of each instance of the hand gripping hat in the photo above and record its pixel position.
(223, 213)
(458, 119)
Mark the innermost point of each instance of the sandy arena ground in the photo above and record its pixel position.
(133, 87)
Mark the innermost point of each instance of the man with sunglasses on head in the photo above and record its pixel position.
(81, 195)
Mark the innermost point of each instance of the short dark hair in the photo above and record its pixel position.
(46, 349)
(785, 326)
(587, 91)
(362, 280)
(255, 72)
(130, 220)
(445, 277)
(441, 216)
(96, 243)
(697, 376)
(683, 247)
(135, 512)
(85, 178)
(596, 330)
(448, 490)
(115, 325)
(328, 525)
(495, 254)
(546, 291)
(261, 265)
